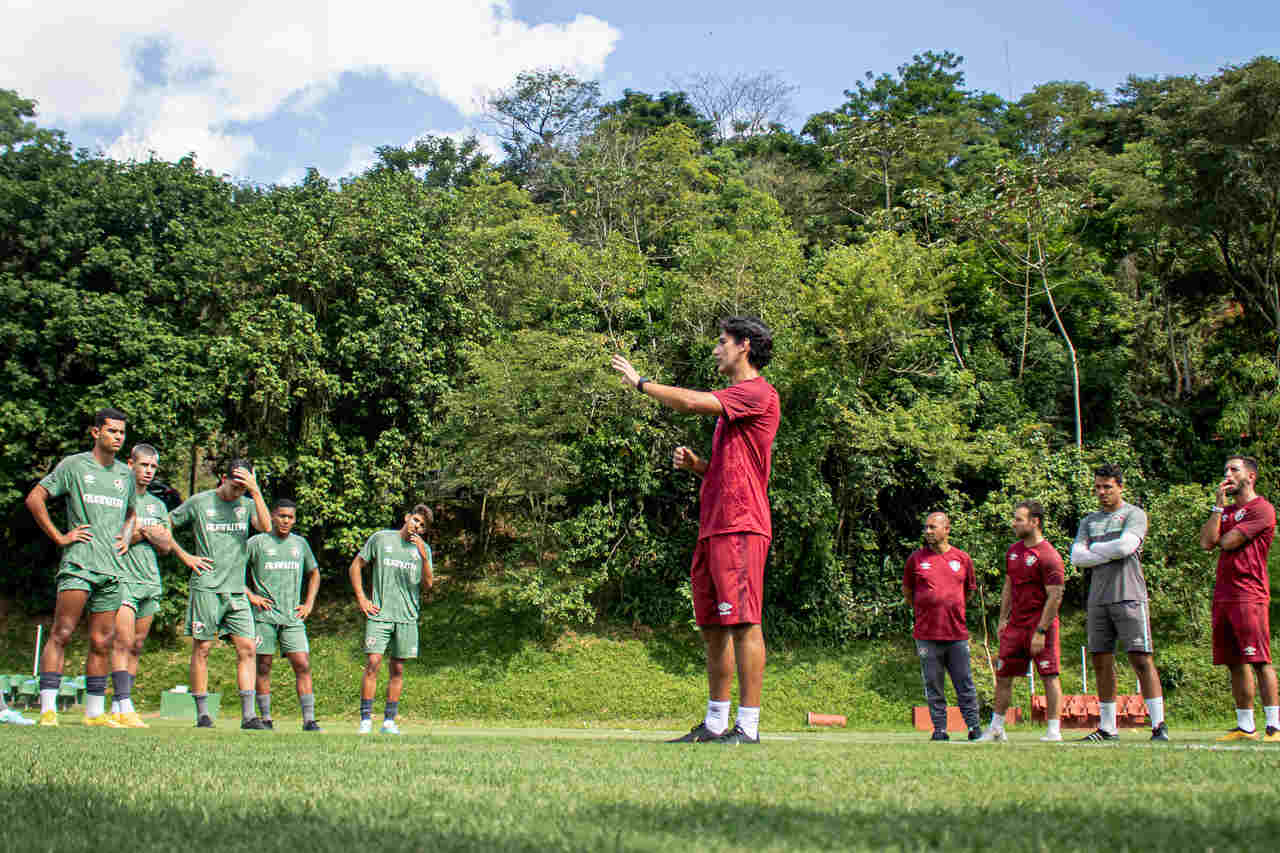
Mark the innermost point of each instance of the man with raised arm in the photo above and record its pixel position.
(141, 590)
(101, 504)
(936, 581)
(1242, 532)
(1028, 628)
(1109, 543)
(401, 565)
(278, 562)
(734, 523)
(217, 602)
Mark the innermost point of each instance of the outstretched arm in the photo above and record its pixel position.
(680, 399)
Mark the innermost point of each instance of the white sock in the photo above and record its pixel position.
(997, 722)
(1055, 727)
(749, 721)
(717, 719)
(94, 705)
(1108, 717)
(1273, 715)
(1155, 710)
(126, 706)
(115, 707)
(1244, 719)
(48, 701)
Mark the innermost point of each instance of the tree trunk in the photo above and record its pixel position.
(1075, 366)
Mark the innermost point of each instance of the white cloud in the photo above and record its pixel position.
(241, 61)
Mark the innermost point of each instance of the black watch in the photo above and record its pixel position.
(640, 383)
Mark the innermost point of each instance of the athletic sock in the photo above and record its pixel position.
(717, 719)
(390, 710)
(1273, 715)
(997, 722)
(1108, 714)
(264, 705)
(366, 709)
(126, 706)
(308, 703)
(1155, 710)
(202, 705)
(1244, 719)
(115, 706)
(1055, 727)
(49, 684)
(95, 700)
(749, 721)
(120, 685)
(246, 704)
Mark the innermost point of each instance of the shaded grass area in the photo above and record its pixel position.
(173, 788)
(480, 662)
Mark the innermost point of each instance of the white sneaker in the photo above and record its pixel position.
(366, 726)
(389, 727)
(13, 718)
(1056, 737)
(990, 735)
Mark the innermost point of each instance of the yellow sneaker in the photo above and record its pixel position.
(102, 720)
(130, 720)
(1238, 734)
(1272, 735)
(48, 718)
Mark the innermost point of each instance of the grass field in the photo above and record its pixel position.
(446, 788)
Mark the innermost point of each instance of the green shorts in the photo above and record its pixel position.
(282, 639)
(142, 598)
(218, 614)
(398, 639)
(104, 590)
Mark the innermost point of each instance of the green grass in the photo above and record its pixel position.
(483, 664)
(441, 789)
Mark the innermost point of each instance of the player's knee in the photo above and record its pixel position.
(371, 665)
(135, 650)
(61, 633)
(200, 651)
(264, 667)
(301, 666)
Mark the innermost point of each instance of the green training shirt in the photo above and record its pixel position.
(277, 567)
(221, 531)
(99, 497)
(140, 564)
(397, 576)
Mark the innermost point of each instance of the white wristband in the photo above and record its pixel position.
(1219, 510)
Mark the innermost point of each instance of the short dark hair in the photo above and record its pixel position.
(751, 329)
(1109, 471)
(1033, 509)
(140, 450)
(284, 503)
(424, 511)
(233, 464)
(101, 416)
(1248, 461)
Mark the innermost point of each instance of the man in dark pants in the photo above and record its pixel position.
(936, 581)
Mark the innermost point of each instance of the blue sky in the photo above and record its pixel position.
(262, 91)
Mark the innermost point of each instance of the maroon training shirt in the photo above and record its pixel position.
(735, 489)
(1242, 573)
(939, 583)
(1030, 570)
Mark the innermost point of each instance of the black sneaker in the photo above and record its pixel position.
(698, 734)
(253, 724)
(1099, 736)
(268, 724)
(940, 736)
(205, 722)
(736, 736)
(1160, 732)
(975, 732)
(311, 726)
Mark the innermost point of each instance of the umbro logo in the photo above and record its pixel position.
(1249, 651)
(725, 608)
(370, 642)
(925, 566)
(257, 641)
(955, 565)
(1239, 516)
(1030, 560)
(1044, 664)
(197, 627)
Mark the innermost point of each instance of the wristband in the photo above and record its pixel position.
(640, 383)
(1219, 510)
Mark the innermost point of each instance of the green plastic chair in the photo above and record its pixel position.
(29, 690)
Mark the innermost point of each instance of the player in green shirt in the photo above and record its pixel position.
(100, 514)
(216, 602)
(141, 588)
(277, 563)
(401, 567)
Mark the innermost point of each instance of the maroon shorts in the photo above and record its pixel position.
(728, 578)
(1015, 652)
(1241, 632)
